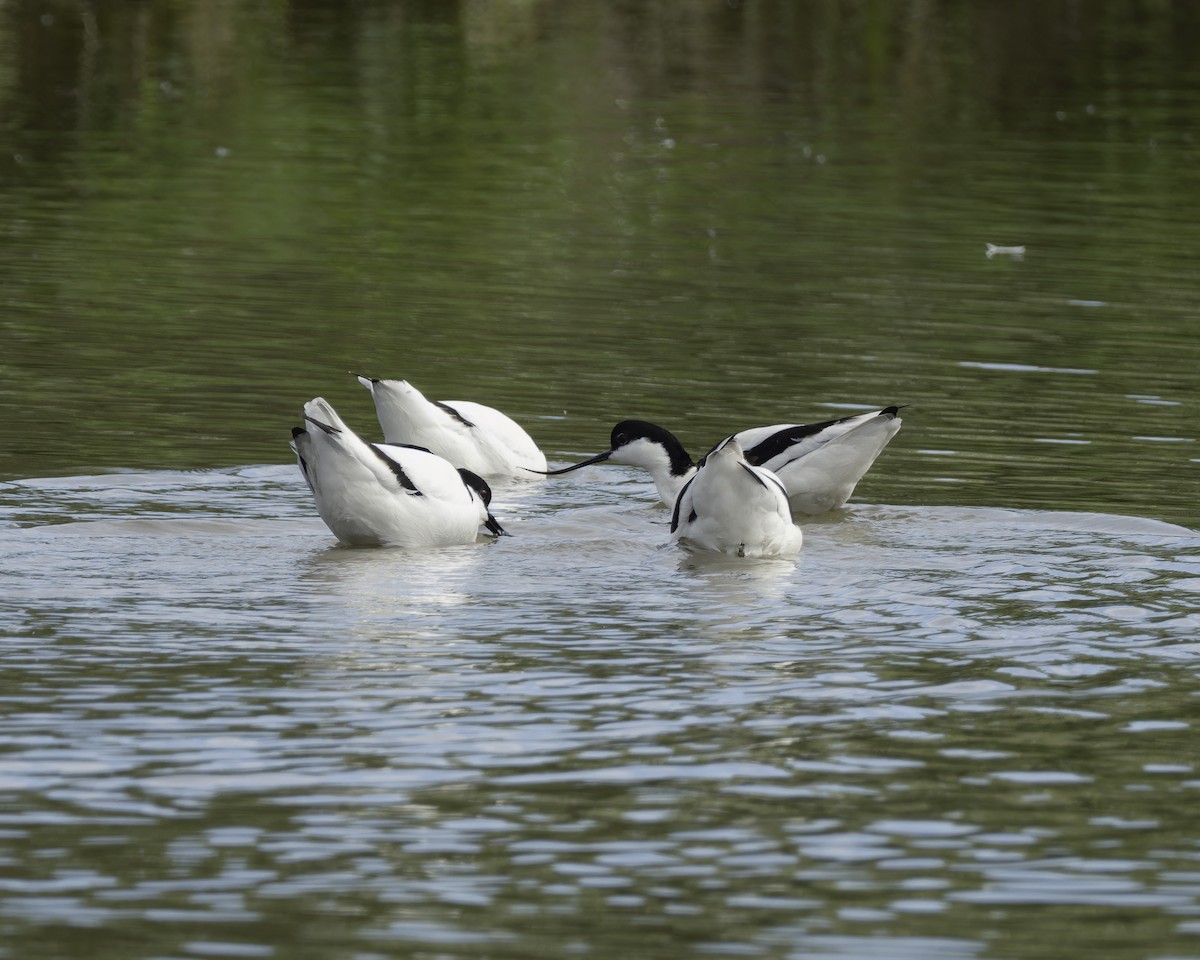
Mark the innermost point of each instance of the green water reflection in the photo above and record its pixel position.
(711, 214)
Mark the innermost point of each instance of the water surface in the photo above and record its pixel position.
(960, 724)
(229, 736)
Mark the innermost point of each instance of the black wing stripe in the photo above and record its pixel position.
(776, 443)
(454, 413)
(398, 470)
(779, 484)
(750, 471)
(678, 503)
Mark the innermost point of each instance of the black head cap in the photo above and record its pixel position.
(478, 484)
(627, 431)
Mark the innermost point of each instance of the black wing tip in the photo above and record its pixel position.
(299, 432)
(893, 410)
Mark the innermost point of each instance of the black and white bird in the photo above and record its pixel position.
(819, 464)
(731, 506)
(471, 435)
(379, 494)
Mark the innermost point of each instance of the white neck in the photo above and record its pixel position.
(653, 457)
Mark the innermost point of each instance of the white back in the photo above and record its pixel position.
(490, 443)
(732, 507)
(822, 476)
(509, 434)
(364, 500)
(756, 435)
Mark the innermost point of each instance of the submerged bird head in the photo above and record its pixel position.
(476, 483)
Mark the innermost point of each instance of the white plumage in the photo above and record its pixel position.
(730, 506)
(383, 494)
(471, 435)
(819, 464)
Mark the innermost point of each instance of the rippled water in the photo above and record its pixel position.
(946, 732)
(960, 724)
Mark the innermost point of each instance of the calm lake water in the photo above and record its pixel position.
(962, 724)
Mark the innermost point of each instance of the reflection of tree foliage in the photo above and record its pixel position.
(599, 208)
